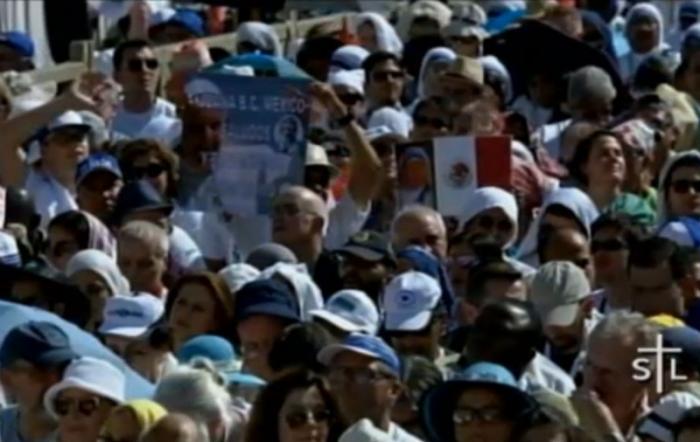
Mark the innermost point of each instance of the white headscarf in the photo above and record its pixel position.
(238, 275)
(434, 9)
(261, 35)
(354, 79)
(387, 39)
(98, 262)
(308, 293)
(399, 122)
(486, 198)
(629, 63)
(578, 202)
(348, 58)
(433, 55)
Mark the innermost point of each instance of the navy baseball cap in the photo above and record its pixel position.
(40, 343)
(365, 345)
(97, 161)
(140, 196)
(269, 297)
(188, 19)
(18, 41)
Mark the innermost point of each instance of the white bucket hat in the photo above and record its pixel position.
(90, 374)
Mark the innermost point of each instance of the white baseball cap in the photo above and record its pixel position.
(131, 316)
(351, 311)
(409, 301)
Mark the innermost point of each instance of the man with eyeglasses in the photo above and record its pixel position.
(384, 81)
(33, 357)
(364, 374)
(562, 297)
(136, 69)
(429, 120)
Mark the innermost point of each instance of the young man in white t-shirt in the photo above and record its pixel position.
(141, 112)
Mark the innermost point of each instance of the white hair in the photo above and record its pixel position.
(149, 234)
(197, 394)
(418, 211)
(628, 328)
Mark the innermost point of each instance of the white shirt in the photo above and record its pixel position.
(51, 198)
(542, 372)
(133, 125)
(398, 434)
(184, 253)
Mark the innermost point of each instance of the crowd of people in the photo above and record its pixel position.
(135, 307)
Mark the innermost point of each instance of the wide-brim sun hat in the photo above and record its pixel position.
(438, 404)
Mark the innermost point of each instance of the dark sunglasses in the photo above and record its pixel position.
(351, 99)
(153, 170)
(435, 123)
(137, 64)
(608, 245)
(486, 222)
(382, 76)
(297, 419)
(684, 186)
(86, 407)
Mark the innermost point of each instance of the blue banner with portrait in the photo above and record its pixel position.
(263, 145)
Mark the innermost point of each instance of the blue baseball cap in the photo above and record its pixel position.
(365, 345)
(269, 297)
(438, 404)
(40, 343)
(215, 348)
(97, 161)
(185, 18)
(18, 41)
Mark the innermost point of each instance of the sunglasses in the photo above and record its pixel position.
(469, 415)
(139, 65)
(153, 170)
(382, 76)
(435, 123)
(684, 186)
(297, 419)
(350, 99)
(86, 407)
(486, 222)
(608, 245)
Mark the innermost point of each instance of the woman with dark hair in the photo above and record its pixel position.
(149, 159)
(73, 231)
(301, 408)
(199, 303)
(599, 167)
(483, 402)
(679, 199)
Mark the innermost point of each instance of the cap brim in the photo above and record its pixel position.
(84, 127)
(407, 321)
(362, 252)
(268, 309)
(97, 169)
(562, 316)
(335, 320)
(126, 332)
(326, 355)
(245, 379)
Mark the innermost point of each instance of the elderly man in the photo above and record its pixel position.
(421, 226)
(611, 401)
(364, 376)
(143, 250)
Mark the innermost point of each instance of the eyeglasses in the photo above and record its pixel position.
(382, 76)
(137, 64)
(435, 123)
(86, 407)
(684, 186)
(358, 376)
(153, 170)
(350, 99)
(299, 418)
(608, 245)
(468, 415)
(487, 222)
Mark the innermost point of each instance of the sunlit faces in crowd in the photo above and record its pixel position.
(136, 68)
(610, 242)
(298, 215)
(566, 244)
(147, 159)
(420, 226)
(429, 120)
(681, 187)
(384, 79)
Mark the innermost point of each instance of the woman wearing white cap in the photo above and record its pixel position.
(84, 398)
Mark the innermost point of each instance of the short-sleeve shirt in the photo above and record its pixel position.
(132, 124)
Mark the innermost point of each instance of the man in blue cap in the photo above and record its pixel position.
(99, 180)
(183, 25)
(364, 373)
(32, 359)
(16, 52)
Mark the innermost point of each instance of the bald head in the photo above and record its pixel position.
(566, 244)
(173, 428)
(421, 226)
(299, 215)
